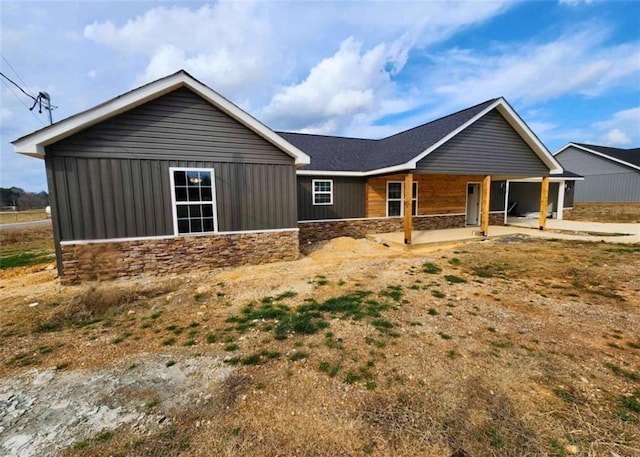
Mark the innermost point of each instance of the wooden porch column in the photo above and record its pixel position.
(544, 197)
(408, 198)
(484, 208)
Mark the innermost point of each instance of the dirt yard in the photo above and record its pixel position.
(507, 347)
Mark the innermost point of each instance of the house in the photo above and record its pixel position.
(129, 180)
(171, 177)
(611, 175)
(455, 171)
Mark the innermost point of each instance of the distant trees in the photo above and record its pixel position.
(17, 198)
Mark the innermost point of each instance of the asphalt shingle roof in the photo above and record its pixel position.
(631, 156)
(332, 153)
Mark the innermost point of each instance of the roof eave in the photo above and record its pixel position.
(600, 154)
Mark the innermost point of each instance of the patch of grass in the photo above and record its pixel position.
(444, 336)
(283, 295)
(190, 342)
(230, 347)
(431, 268)
(25, 259)
(629, 408)
(300, 355)
(453, 279)
(432, 312)
(62, 365)
(23, 359)
(633, 345)
(152, 404)
(212, 338)
(438, 294)
(631, 375)
(321, 280)
(329, 368)
(259, 357)
(489, 271)
(170, 363)
(569, 396)
(48, 327)
(393, 292)
(455, 261)
(156, 315)
(169, 341)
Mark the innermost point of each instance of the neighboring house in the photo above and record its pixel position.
(611, 175)
(130, 178)
(172, 176)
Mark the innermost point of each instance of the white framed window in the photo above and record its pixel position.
(395, 198)
(193, 197)
(322, 191)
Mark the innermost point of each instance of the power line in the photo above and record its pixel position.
(17, 74)
(16, 84)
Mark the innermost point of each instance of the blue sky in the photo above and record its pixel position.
(571, 68)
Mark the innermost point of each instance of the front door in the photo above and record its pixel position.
(473, 203)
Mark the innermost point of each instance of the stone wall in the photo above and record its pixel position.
(90, 261)
(496, 218)
(311, 232)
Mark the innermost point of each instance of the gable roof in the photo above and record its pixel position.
(34, 143)
(401, 152)
(628, 157)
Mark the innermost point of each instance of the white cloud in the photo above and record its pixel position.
(615, 137)
(622, 129)
(91, 74)
(348, 83)
(227, 44)
(578, 62)
(249, 50)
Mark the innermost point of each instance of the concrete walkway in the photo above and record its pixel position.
(566, 230)
(578, 226)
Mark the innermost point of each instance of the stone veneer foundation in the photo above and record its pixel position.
(90, 261)
(314, 231)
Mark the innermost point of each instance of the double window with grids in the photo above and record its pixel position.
(395, 199)
(322, 191)
(193, 195)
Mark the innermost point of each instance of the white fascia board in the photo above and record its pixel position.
(34, 143)
(379, 171)
(551, 179)
(600, 154)
(514, 120)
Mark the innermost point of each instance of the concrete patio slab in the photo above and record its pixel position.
(568, 230)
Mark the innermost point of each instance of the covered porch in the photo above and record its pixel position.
(476, 200)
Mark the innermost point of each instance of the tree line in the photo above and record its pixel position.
(18, 199)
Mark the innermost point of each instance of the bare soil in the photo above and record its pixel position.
(509, 347)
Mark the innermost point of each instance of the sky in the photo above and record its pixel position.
(570, 68)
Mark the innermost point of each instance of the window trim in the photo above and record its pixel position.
(401, 199)
(314, 192)
(174, 203)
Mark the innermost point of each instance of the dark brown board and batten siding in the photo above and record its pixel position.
(112, 179)
(489, 146)
(349, 199)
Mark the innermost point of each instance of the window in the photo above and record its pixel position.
(395, 198)
(322, 191)
(193, 195)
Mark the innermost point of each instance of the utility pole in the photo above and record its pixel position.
(45, 96)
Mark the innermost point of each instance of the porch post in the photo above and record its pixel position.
(484, 209)
(408, 198)
(544, 197)
(560, 208)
